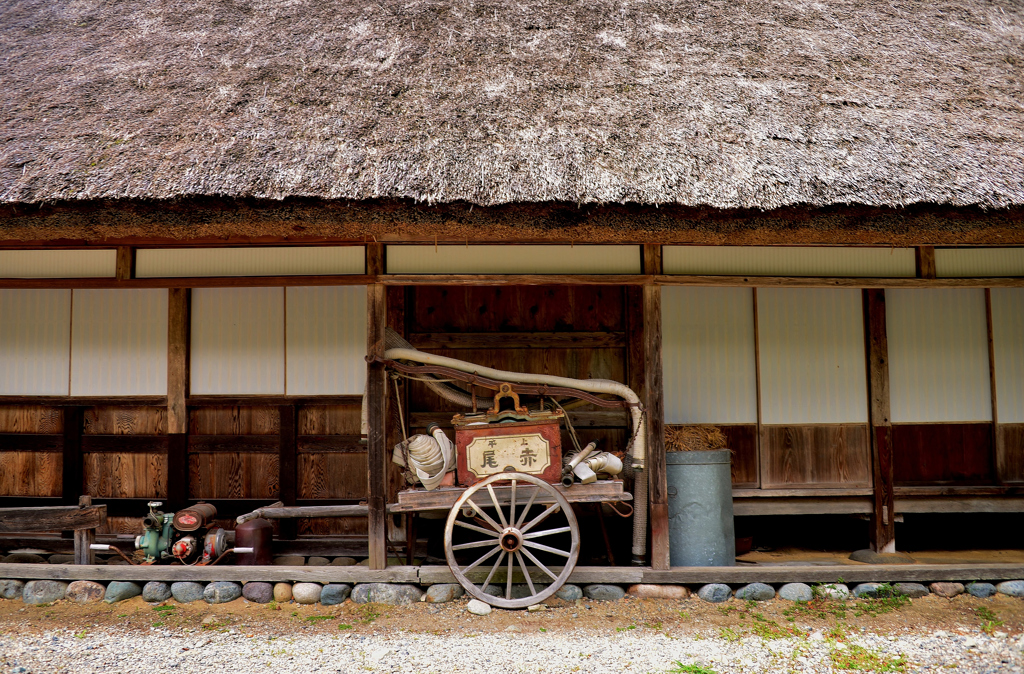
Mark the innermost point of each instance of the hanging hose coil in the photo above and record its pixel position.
(427, 457)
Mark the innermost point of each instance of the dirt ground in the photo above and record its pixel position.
(692, 617)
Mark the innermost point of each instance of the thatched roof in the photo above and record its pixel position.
(720, 103)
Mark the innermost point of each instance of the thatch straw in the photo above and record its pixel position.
(725, 104)
(693, 438)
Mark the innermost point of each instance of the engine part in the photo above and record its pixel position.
(258, 535)
(215, 544)
(157, 535)
(199, 516)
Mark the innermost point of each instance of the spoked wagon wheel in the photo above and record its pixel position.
(509, 537)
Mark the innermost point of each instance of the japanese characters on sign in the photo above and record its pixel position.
(523, 453)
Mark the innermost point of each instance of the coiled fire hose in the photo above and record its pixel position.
(426, 457)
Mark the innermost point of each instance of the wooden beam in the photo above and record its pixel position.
(125, 266)
(514, 279)
(998, 441)
(249, 444)
(31, 442)
(167, 573)
(759, 439)
(179, 301)
(124, 444)
(84, 538)
(924, 261)
(376, 403)
(78, 401)
(833, 282)
(654, 405)
(287, 459)
(518, 340)
(71, 482)
(803, 505)
(270, 400)
(883, 529)
(189, 282)
(54, 518)
(847, 573)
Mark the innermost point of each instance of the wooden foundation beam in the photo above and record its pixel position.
(883, 527)
(376, 402)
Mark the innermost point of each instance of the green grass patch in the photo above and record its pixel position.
(318, 618)
(989, 619)
(680, 668)
(344, 626)
(861, 659)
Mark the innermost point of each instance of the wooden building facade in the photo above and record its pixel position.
(206, 227)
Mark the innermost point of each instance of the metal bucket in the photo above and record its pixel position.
(700, 508)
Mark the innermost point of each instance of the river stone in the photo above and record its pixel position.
(221, 592)
(84, 592)
(444, 592)
(43, 591)
(1012, 588)
(834, 591)
(603, 592)
(318, 561)
(119, 590)
(569, 592)
(24, 558)
(715, 593)
(187, 592)
(156, 591)
(981, 590)
(756, 592)
(948, 590)
(258, 592)
(61, 559)
(912, 590)
(307, 593)
(11, 589)
(282, 592)
(866, 590)
(652, 591)
(871, 557)
(335, 593)
(386, 593)
(290, 560)
(477, 607)
(343, 561)
(796, 592)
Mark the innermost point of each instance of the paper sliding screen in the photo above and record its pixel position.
(1008, 344)
(326, 329)
(35, 334)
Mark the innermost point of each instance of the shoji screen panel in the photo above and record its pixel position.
(326, 328)
(58, 263)
(813, 388)
(709, 373)
(264, 261)
(35, 334)
(1008, 347)
(119, 342)
(939, 386)
(789, 261)
(478, 259)
(238, 341)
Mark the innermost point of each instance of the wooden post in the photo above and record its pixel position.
(376, 402)
(71, 482)
(125, 269)
(178, 323)
(287, 468)
(924, 261)
(883, 528)
(655, 405)
(998, 446)
(84, 538)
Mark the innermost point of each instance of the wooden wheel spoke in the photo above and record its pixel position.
(547, 532)
(512, 504)
(473, 527)
(482, 559)
(536, 562)
(475, 544)
(483, 515)
(547, 548)
(508, 581)
(526, 572)
(493, 570)
(540, 518)
(529, 504)
(497, 507)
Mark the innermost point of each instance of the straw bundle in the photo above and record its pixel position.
(693, 438)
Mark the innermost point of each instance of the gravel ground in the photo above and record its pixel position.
(625, 636)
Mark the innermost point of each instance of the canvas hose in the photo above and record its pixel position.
(637, 450)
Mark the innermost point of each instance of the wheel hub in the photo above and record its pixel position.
(511, 539)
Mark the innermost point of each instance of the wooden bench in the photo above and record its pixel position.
(83, 519)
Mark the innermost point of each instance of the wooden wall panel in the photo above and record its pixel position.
(518, 309)
(234, 421)
(30, 473)
(332, 476)
(742, 440)
(333, 526)
(942, 454)
(124, 475)
(233, 475)
(823, 456)
(31, 419)
(329, 420)
(122, 525)
(1010, 453)
(109, 420)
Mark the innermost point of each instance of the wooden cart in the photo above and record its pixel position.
(516, 521)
